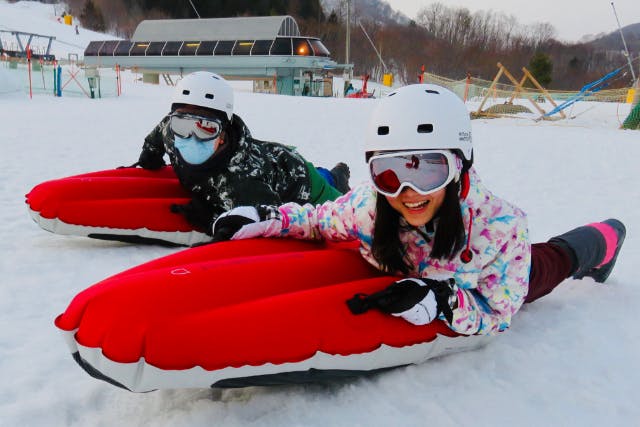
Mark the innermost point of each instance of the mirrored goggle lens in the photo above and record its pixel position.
(426, 172)
(203, 128)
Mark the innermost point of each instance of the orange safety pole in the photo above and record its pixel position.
(29, 68)
(118, 84)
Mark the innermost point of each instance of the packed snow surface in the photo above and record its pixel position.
(569, 359)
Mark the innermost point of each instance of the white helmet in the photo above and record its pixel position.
(204, 89)
(420, 117)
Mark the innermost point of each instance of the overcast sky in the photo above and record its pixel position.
(572, 19)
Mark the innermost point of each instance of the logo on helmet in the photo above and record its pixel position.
(464, 136)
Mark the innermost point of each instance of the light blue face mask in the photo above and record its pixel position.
(194, 151)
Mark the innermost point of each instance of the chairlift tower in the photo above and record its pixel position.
(21, 52)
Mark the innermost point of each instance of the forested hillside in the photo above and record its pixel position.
(448, 41)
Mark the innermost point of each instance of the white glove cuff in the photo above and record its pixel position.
(257, 229)
(424, 312)
(246, 211)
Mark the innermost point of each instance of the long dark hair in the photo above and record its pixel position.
(390, 252)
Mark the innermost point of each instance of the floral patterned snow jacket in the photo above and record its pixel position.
(492, 286)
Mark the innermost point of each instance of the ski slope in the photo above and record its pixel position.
(568, 359)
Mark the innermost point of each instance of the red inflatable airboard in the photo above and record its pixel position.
(128, 204)
(252, 312)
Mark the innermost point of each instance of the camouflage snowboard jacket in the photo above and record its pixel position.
(246, 171)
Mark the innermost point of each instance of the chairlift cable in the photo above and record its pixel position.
(374, 47)
(624, 43)
(195, 10)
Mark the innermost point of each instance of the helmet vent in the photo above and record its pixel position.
(186, 92)
(425, 128)
(432, 91)
(208, 96)
(383, 130)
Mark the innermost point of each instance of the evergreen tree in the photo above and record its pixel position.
(311, 9)
(91, 17)
(333, 18)
(541, 68)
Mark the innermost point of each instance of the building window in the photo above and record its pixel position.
(261, 47)
(206, 48)
(318, 48)
(123, 48)
(301, 47)
(189, 48)
(281, 46)
(108, 47)
(139, 48)
(155, 48)
(243, 47)
(93, 48)
(172, 48)
(225, 47)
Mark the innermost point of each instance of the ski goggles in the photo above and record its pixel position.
(424, 171)
(203, 128)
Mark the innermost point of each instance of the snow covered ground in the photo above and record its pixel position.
(569, 359)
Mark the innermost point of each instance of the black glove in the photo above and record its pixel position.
(150, 160)
(135, 165)
(197, 213)
(419, 301)
(245, 222)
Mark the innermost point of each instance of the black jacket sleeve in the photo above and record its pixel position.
(251, 192)
(153, 149)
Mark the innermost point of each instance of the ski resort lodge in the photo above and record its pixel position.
(266, 50)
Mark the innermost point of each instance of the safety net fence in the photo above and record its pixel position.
(62, 78)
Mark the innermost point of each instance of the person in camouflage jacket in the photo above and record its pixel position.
(233, 169)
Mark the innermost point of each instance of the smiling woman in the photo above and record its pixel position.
(427, 216)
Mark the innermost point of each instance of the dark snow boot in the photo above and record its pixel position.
(593, 248)
(341, 175)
